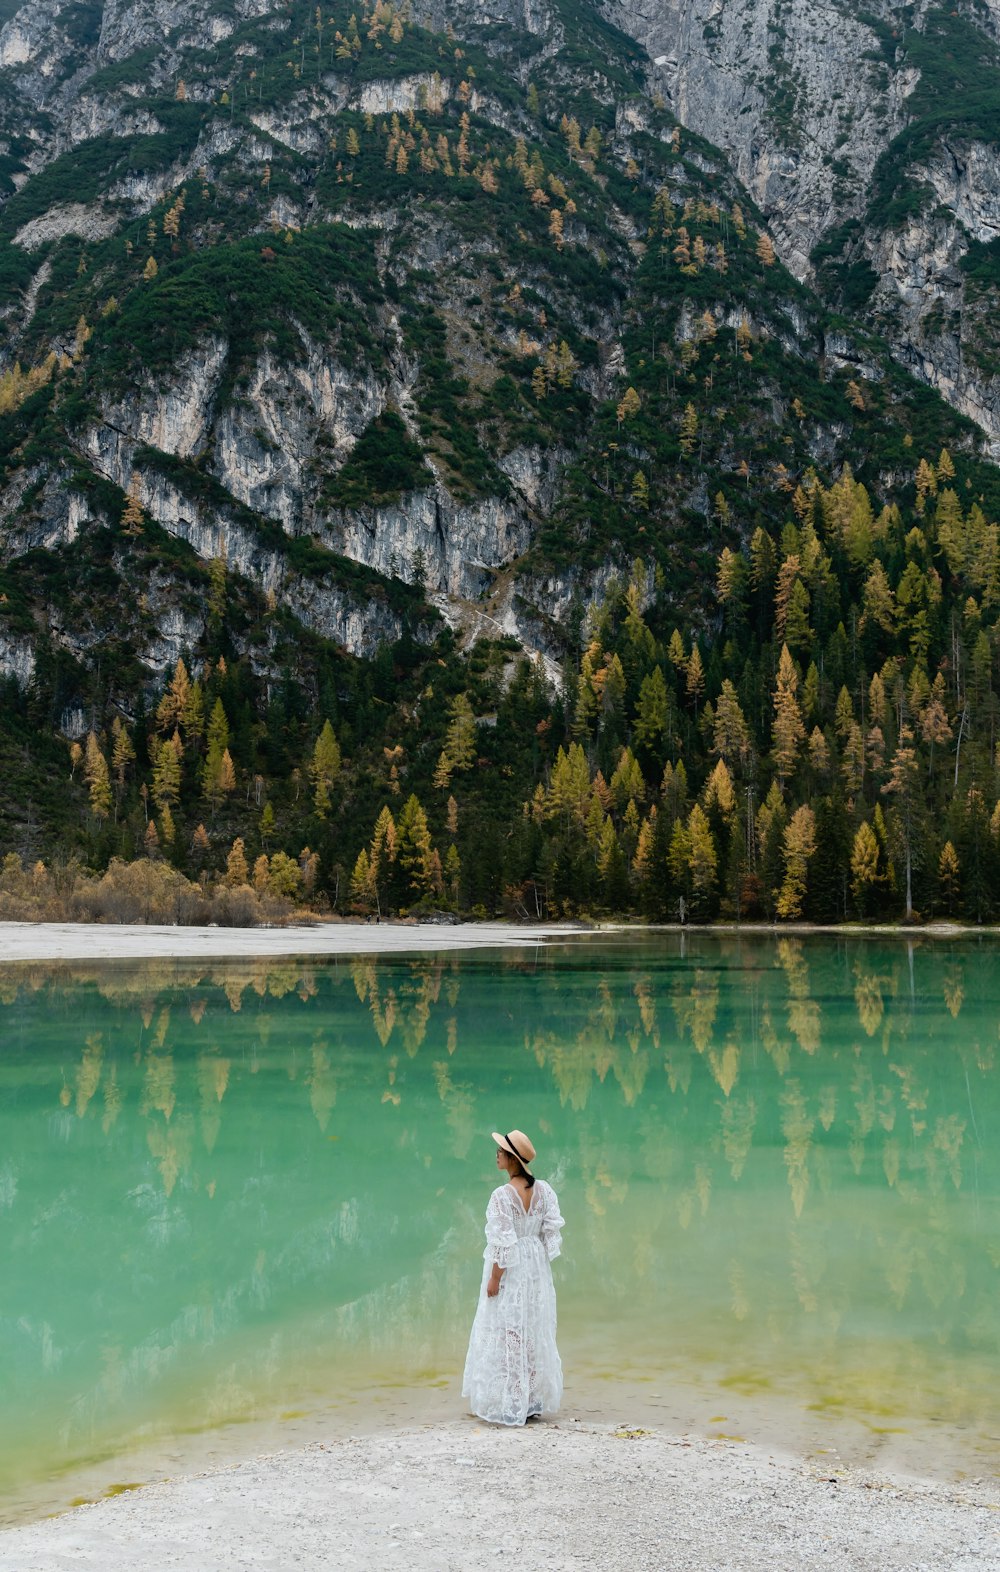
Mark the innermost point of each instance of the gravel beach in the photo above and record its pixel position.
(454, 1496)
(83, 941)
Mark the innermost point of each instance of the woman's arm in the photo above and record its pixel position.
(501, 1238)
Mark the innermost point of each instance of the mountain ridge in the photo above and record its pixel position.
(336, 338)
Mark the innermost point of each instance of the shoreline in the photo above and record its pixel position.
(68, 941)
(905, 1447)
(29, 941)
(565, 1493)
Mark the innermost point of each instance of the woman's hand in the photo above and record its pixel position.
(493, 1286)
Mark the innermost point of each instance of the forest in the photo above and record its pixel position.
(828, 753)
(769, 691)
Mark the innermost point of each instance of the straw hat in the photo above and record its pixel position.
(517, 1143)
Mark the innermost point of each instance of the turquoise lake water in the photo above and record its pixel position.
(254, 1192)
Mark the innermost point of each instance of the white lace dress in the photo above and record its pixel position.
(513, 1367)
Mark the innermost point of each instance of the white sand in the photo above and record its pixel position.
(458, 1496)
(67, 941)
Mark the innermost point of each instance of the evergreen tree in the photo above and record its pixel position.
(788, 731)
(459, 751)
(237, 869)
(323, 768)
(95, 772)
(414, 849)
(799, 846)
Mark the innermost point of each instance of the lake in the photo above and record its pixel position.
(242, 1203)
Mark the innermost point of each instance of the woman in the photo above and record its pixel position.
(513, 1371)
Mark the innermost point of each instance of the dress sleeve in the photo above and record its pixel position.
(501, 1235)
(552, 1224)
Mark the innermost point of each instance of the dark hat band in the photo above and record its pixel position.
(524, 1160)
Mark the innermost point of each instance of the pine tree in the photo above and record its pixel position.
(363, 888)
(945, 467)
(702, 863)
(566, 365)
(284, 877)
(217, 743)
(585, 710)
(652, 710)
(226, 779)
(568, 795)
(267, 825)
(799, 846)
(122, 755)
(323, 769)
(865, 872)
(695, 676)
(166, 774)
(460, 748)
(414, 848)
(175, 702)
(949, 877)
(629, 406)
(627, 784)
(904, 787)
(95, 773)
(689, 429)
(640, 491)
(237, 868)
(731, 735)
(719, 794)
(788, 732)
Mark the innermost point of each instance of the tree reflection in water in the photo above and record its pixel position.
(218, 1183)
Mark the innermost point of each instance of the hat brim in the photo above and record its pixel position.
(502, 1140)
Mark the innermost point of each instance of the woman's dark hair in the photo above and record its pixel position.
(522, 1172)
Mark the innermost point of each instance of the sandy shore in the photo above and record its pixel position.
(452, 1497)
(52, 941)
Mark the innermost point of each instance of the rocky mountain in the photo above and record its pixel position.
(341, 343)
(868, 135)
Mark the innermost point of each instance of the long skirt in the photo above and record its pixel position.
(513, 1369)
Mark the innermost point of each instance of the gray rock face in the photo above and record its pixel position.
(802, 98)
(126, 26)
(923, 294)
(17, 659)
(787, 91)
(268, 442)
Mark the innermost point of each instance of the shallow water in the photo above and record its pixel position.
(252, 1195)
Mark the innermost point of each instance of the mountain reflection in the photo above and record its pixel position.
(229, 1164)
